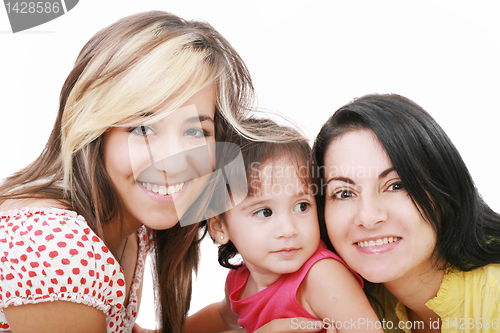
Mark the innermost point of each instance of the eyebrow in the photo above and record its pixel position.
(189, 120)
(342, 179)
(267, 201)
(383, 174)
(386, 172)
(256, 203)
(199, 119)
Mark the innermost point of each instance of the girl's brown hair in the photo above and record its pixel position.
(142, 67)
(295, 150)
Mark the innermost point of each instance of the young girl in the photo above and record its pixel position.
(286, 270)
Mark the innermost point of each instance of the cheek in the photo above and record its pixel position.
(335, 220)
(240, 236)
(309, 229)
(196, 189)
(428, 239)
(334, 234)
(117, 159)
(311, 223)
(134, 154)
(406, 211)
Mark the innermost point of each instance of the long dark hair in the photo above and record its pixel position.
(433, 174)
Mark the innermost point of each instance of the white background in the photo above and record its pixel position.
(307, 59)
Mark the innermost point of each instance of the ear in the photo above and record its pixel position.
(218, 230)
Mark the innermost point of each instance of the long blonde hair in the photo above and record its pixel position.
(143, 66)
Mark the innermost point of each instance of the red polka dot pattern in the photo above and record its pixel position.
(50, 254)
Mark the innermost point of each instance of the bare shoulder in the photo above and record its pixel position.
(329, 269)
(330, 276)
(332, 292)
(54, 317)
(325, 276)
(14, 204)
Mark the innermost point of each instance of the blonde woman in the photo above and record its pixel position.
(76, 224)
(147, 97)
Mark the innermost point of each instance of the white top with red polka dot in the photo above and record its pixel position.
(49, 254)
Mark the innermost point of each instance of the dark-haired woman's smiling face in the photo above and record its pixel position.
(371, 221)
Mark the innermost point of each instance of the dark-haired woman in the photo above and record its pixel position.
(401, 209)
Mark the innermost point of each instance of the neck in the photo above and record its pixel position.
(258, 280)
(117, 232)
(415, 290)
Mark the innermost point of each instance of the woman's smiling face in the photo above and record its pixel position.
(159, 170)
(371, 220)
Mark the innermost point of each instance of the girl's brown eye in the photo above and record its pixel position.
(301, 207)
(265, 212)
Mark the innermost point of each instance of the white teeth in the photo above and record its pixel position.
(162, 189)
(378, 242)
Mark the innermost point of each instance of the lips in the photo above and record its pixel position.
(378, 241)
(287, 251)
(162, 189)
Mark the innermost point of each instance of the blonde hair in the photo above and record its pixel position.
(139, 69)
(136, 75)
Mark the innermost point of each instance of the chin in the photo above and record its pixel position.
(375, 274)
(287, 269)
(160, 221)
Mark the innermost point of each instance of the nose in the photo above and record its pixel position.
(371, 211)
(170, 157)
(173, 164)
(285, 226)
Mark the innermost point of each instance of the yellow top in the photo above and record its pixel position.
(467, 302)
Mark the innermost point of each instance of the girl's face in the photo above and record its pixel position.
(276, 229)
(159, 170)
(371, 221)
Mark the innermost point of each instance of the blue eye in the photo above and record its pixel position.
(142, 130)
(301, 207)
(195, 132)
(263, 213)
